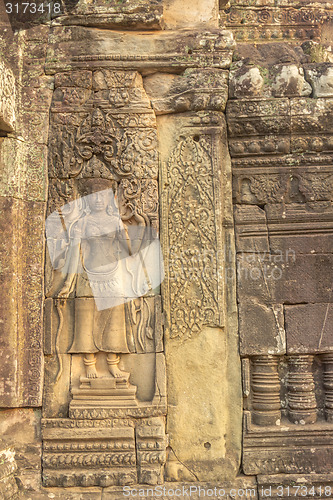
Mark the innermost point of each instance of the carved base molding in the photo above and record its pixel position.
(287, 448)
(106, 452)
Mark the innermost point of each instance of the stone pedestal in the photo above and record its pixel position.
(104, 392)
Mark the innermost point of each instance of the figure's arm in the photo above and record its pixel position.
(132, 242)
(73, 261)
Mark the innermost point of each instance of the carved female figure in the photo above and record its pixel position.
(99, 245)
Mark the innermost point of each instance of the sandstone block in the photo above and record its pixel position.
(309, 328)
(251, 229)
(261, 329)
(285, 278)
(288, 80)
(320, 76)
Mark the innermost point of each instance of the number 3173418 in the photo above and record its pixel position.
(32, 8)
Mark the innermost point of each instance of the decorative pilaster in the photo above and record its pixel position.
(266, 390)
(327, 360)
(302, 405)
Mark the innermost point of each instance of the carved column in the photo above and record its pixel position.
(327, 360)
(266, 390)
(302, 405)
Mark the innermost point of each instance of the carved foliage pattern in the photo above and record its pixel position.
(192, 265)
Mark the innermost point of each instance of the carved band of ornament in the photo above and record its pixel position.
(69, 460)
(274, 188)
(147, 411)
(302, 405)
(275, 33)
(152, 458)
(265, 385)
(279, 144)
(261, 109)
(84, 478)
(84, 424)
(151, 446)
(327, 360)
(275, 16)
(277, 162)
(88, 446)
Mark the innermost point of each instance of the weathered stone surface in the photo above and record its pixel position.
(311, 116)
(245, 81)
(261, 329)
(320, 76)
(7, 98)
(305, 450)
(74, 79)
(251, 229)
(194, 90)
(111, 461)
(288, 80)
(190, 14)
(179, 49)
(24, 257)
(59, 493)
(20, 430)
(8, 304)
(191, 333)
(309, 328)
(275, 186)
(300, 228)
(137, 15)
(267, 21)
(285, 278)
(8, 486)
(151, 444)
(279, 80)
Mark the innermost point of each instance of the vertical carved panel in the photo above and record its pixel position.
(266, 390)
(192, 237)
(302, 405)
(199, 338)
(327, 360)
(103, 140)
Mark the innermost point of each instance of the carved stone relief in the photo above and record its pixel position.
(197, 331)
(104, 359)
(7, 98)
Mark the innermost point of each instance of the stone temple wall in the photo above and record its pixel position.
(210, 123)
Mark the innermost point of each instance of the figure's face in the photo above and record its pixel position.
(98, 201)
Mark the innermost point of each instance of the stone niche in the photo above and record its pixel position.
(146, 126)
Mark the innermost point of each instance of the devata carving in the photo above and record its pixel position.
(103, 272)
(96, 239)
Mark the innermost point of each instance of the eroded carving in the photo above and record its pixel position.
(7, 98)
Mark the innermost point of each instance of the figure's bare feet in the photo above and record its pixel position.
(116, 372)
(91, 371)
(90, 363)
(113, 361)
